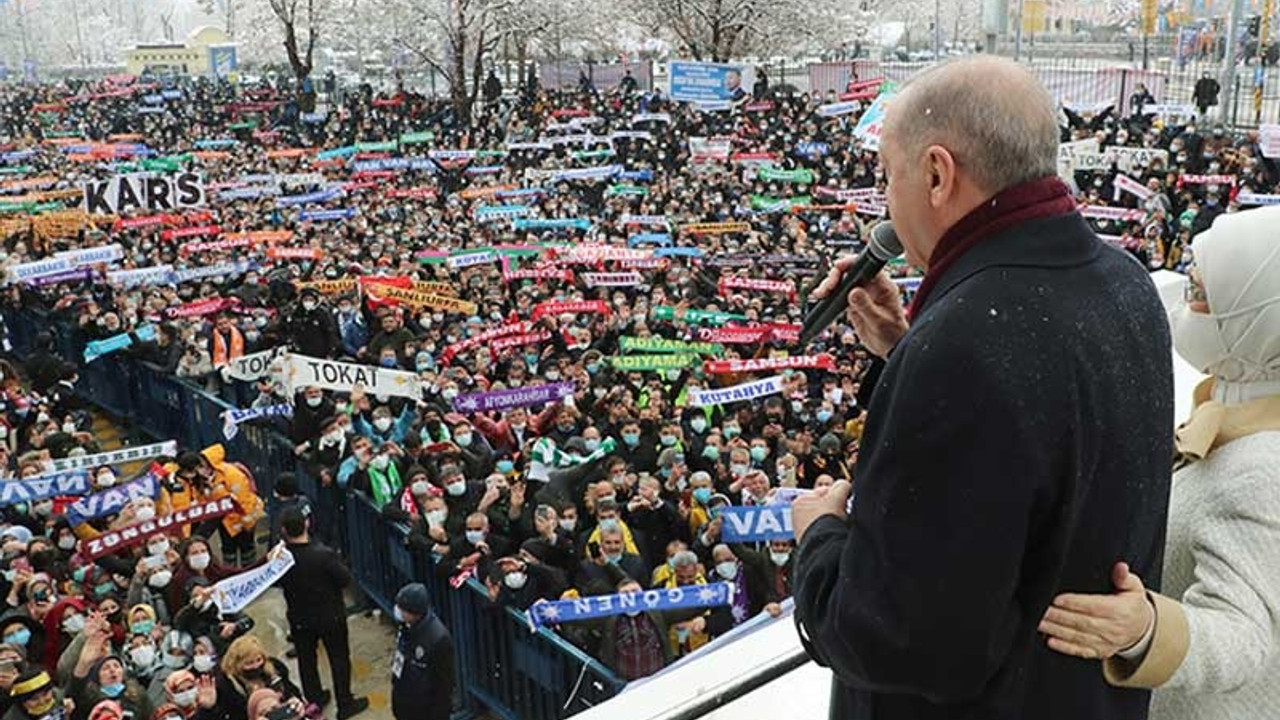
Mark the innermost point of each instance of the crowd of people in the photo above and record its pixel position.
(639, 251)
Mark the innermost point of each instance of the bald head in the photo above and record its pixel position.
(995, 118)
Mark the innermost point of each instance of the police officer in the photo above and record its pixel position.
(422, 670)
(313, 331)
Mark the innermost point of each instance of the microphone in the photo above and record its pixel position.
(883, 246)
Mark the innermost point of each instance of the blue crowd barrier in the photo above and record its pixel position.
(502, 665)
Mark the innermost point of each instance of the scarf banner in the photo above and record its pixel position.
(754, 158)
(216, 143)
(598, 606)
(301, 371)
(623, 190)
(591, 254)
(234, 594)
(689, 252)
(550, 273)
(716, 228)
(470, 259)
(373, 285)
(382, 146)
(1124, 183)
(811, 149)
(113, 500)
(598, 307)
(553, 224)
(1207, 180)
(294, 253)
(769, 204)
(338, 152)
(232, 418)
(93, 255)
(839, 108)
(744, 365)
(141, 276)
(659, 345)
(252, 366)
(97, 348)
(328, 287)
(476, 341)
(802, 176)
(738, 393)
(786, 287)
(677, 361)
(489, 213)
(645, 175)
(511, 341)
(651, 263)
(434, 301)
(613, 279)
(513, 398)
(658, 220)
(1110, 213)
(735, 335)
(178, 233)
(27, 271)
(229, 269)
(113, 541)
(326, 215)
(85, 275)
(649, 239)
(761, 523)
(844, 195)
(249, 193)
(416, 138)
(1248, 198)
(667, 312)
(617, 135)
(201, 308)
(68, 482)
(595, 173)
(415, 193)
(118, 457)
(320, 197)
(704, 149)
(651, 117)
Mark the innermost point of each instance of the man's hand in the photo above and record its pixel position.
(823, 501)
(875, 311)
(1099, 626)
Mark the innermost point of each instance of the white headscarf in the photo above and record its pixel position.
(1238, 342)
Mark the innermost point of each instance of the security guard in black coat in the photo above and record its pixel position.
(313, 331)
(422, 670)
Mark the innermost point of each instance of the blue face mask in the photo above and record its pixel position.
(18, 637)
(711, 452)
(759, 453)
(142, 627)
(113, 691)
(824, 416)
(506, 466)
(593, 368)
(388, 362)
(631, 439)
(702, 495)
(531, 359)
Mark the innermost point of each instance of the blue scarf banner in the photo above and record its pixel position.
(594, 173)
(340, 152)
(744, 524)
(598, 606)
(216, 143)
(637, 175)
(324, 215)
(552, 224)
(232, 418)
(322, 196)
(70, 482)
(813, 149)
(97, 348)
(113, 500)
(649, 239)
(691, 252)
(233, 594)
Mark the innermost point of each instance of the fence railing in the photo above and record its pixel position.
(501, 664)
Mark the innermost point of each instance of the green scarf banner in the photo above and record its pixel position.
(666, 312)
(664, 345)
(652, 362)
(802, 176)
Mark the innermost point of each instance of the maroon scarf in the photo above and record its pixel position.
(1031, 200)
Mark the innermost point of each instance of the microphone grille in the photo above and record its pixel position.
(884, 243)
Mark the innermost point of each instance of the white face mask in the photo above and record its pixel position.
(67, 542)
(382, 423)
(568, 524)
(515, 580)
(779, 558)
(436, 517)
(202, 663)
(68, 428)
(143, 656)
(106, 479)
(199, 561)
(160, 578)
(143, 514)
(727, 569)
(73, 624)
(419, 487)
(380, 462)
(186, 698)
(308, 305)
(315, 401)
(159, 547)
(174, 661)
(457, 488)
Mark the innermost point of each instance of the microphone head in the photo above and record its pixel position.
(884, 244)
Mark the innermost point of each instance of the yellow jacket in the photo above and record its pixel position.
(628, 542)
(228, 479)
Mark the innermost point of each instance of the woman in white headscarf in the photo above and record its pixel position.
(1211, 643)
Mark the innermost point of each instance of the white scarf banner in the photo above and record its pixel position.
(737, 393)
(302, 371)
(1124, 183)
(232, 418)
(1248, 198)
(234, 594)
(117, 457)
(252, 366)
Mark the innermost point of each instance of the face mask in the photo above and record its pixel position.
(515, 580)
(517, 427)
(824, 416)
(738, 470)
(463, 439)
(1198, 338)
(699, 424)
(315, 401)
(506, 467)
(113, 691)
(531, 359)
(382, 424)
(711, 452)
(727, 569)
(68, 428)
(667, 440)
(592, 444)
(308, 305)
(174, 661)
(779, 558)
(202, 663)
(553, 375)
(568, 524)
(593, 368)
(159, 578)
(456, 488)
(42, 508)
(18, 637)
(20, 508)
(73, 624)
(186, 698)
(759, 453)
(142, 627)
(143, 656)
(449, 393)
(198, 562)
(68, 542)
(144, 513)
(388, 362)
(399, 616)
(731, 431)
(380, 462)
(106, 479)
(631, 439)
(436, 517)
(158, 548)
(609, 524)
(475, 537)
(702, 495)
(103, 588)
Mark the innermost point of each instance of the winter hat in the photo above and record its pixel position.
(414, 598)
(259, 699)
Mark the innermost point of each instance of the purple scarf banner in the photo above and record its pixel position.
(514, 398)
